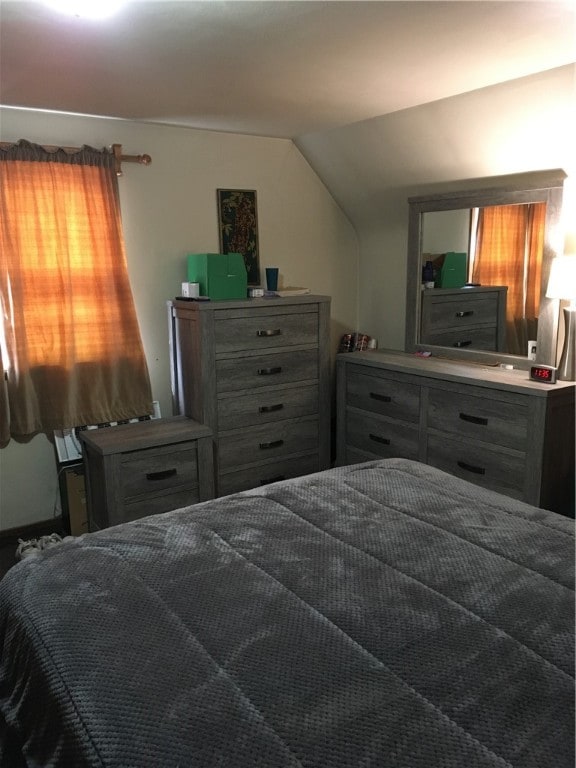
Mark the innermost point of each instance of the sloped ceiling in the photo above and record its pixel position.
(273, 68)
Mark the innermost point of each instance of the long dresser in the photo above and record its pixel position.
(490, 426)
(257, 372)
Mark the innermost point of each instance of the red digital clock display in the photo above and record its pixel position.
(543, 373)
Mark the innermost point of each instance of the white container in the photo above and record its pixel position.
(191, 290)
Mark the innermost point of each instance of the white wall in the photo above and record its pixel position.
(372, 167)
(169, 209)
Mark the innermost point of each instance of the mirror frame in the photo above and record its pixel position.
(539, 186)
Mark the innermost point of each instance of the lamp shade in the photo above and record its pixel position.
(562, 280)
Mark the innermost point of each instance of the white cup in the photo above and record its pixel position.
(191, 290)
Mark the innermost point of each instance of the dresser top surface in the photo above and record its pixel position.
(265, 302)
(144, 434)
(481, 375)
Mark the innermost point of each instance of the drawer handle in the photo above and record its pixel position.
(471, 468)
(381, 398)
(162, 475)
(462, 343)
(271, 444)
(272, 479)
(467, 313)
(378, 439)
(275, 332)
(474, 419)
(270, 408)
(269, 371)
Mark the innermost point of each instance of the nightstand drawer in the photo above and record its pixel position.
(480, 418)
(158, 469)
(388, 439)
(154, 505)
(499, 470)
(263, 474)
(266, 370)
(262, 331)
(266, 442)
(384, 396)
(268, 405)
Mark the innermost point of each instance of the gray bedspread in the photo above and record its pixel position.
(380, 615)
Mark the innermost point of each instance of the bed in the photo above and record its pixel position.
(381, 615)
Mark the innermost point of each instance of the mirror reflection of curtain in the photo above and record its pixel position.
(509, 245)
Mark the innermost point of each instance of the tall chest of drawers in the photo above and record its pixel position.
(257, 372)
(490, 426)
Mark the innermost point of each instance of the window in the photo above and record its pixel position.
(70, 341)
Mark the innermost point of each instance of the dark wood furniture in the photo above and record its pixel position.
(490, 426)
(257, 372)
(465, 318)
(145, 468)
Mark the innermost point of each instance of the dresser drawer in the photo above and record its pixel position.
(267, 442)
(499, 470)
(266, 370)
(388, 439)
(460, 311)
(158, 469)
(464, 338)
(267, 405)
(478, 418)
(384, 396)
(263, 474)
(262, 331)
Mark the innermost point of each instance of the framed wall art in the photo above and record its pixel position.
(238, 227)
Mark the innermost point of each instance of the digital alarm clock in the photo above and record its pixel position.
(546, 374)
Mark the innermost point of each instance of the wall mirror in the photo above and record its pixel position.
(454, 238)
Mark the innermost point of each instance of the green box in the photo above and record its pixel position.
(221, 275)
(453, 272)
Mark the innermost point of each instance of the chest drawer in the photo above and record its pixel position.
(266, 370)
(158, 469)
(464, 338)
(384, 396)
(267, 405)
(267, 442)
(499, 470)
(263, 331)
(381, 437)
(459, 311)
(478, 418)
(254, 477)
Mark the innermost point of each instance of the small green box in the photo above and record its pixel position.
(453, 272)
(221, 275)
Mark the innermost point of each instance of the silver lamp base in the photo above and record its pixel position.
(567, 364)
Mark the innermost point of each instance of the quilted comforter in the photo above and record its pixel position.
(382, 615)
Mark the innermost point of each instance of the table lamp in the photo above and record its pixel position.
(562, 285)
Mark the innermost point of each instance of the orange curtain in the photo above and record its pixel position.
(71, 342)
(509, 247)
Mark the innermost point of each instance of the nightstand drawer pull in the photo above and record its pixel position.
(381, 398)
(467, 313)
(270, 408)
(378, 439)
(162, 475)
(269, 371)
(275, 332)
(462, 343)
(271, 444)
(273, 479)
(474, 419)
(471, 468)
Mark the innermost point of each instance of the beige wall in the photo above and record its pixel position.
(169, 209)
(373, 167)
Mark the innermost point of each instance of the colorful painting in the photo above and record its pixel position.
(238, 222)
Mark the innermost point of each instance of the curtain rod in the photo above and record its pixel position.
(116, 149)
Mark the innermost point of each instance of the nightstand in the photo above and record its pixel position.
(144, 468)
